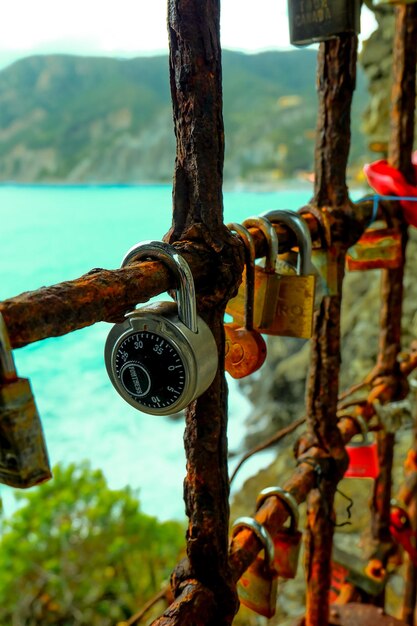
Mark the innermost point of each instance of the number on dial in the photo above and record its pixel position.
(150, 369)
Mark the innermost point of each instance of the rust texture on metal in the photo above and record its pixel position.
(202, 585)
(106, 295)
(196, 92)
(388, 377)
(336, 83)
(408, 495)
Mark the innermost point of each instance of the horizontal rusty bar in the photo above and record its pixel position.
(106, 295)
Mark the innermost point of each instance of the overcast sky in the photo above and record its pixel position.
(133, 27)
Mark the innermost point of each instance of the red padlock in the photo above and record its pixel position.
(363, 455)
(287, 541)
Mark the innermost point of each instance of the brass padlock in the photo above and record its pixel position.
(266, 282)
(23, 456)
(257, 587)
(287, 542)
(295, 307)
(325, 259)
(312, 21)
(245, 348)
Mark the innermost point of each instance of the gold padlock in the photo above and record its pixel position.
(287, 542)
(267, 282)
(257, 587)
(295, 307)
(23, 456)
(325, 258)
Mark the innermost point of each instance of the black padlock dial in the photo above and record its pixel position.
(150, 369)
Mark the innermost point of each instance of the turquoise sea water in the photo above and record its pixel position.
(51, 234)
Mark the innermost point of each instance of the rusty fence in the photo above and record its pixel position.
(203, 587)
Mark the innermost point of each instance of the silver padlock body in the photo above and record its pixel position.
(23, 455)
(156, 363)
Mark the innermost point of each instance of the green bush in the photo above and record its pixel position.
(77, 552)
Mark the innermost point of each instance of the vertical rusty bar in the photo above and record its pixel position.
(336, 83)
(196, 90)
(410, 591)
(408, 495)
(388, 371)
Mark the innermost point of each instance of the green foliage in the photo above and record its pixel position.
(96, 119)
(77, 553)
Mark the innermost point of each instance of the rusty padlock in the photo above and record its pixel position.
(23, 455)
(266, 282)
(378, 248)
(245, 349)
(363, 455)
(295, 308)
(257, 587)
(287, 542)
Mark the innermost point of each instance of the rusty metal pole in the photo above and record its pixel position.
(196, 91)
(336, 83)
(388, 370)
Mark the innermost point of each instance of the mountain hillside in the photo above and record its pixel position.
(79, 119)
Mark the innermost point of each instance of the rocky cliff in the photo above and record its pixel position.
(77, 119)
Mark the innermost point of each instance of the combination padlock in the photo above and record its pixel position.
(258, 586)
(287, 542)
(295, 308)
(245, 349)
(266, 282)
(23, 455)
(363, 455)
(164, 355)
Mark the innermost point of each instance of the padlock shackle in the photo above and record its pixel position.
(361, 422)
(298, 225)
(167, 254)
(7, 367)
(261, 532)
(286, 498)
(250, 254)
(269, 232)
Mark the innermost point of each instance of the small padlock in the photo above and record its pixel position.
(266, 282)
(287, 542)
(164, 355)
(23, 455)
(325, 258)
(257, 587)
(312, 21)
(378, 248)
(245, 349)
(295, 307)
(363, 455)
